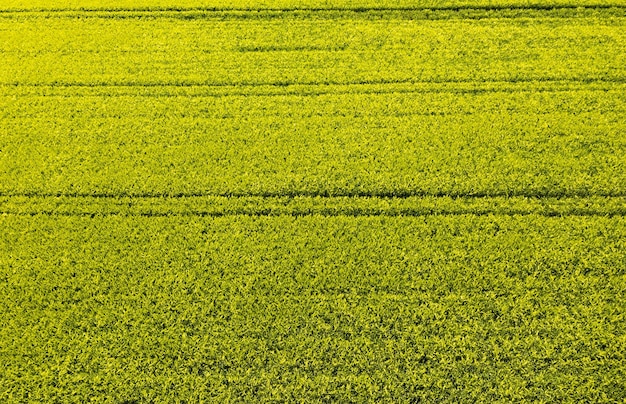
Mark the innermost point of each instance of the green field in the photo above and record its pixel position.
(312, 201)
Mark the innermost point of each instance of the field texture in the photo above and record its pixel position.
(312, 201)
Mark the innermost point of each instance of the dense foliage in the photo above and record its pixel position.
(298, 4)
(312, 201)
(313, 308)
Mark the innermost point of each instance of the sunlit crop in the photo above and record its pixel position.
(312, 201)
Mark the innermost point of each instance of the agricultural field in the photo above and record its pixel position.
(312, 201)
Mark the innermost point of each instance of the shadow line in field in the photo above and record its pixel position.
(328, 83)
(397, 194)
(121, 204)
(314, 93)
(357, 9)
(326, 13)
(404, 213)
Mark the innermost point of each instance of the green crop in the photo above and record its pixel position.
(312, 201)
(297, 4)
(496, 142)
(453, 107)
(314, 308)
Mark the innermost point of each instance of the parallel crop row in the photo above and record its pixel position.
(216, 206)
(296, 4)
(121, 52)
(555, 143)
(338, 309)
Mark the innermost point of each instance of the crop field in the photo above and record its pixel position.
(312, 201)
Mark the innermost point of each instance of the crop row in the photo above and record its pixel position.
(376, 101)
(311, 308)
(158, 36)
(297, 4)
(353, 14)
(555, 143)
(112, 52)
(160, 205)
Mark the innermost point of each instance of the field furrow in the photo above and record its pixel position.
(178, 5)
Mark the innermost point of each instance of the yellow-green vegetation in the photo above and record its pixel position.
(314, 308)
(12, 5)
(312, 201)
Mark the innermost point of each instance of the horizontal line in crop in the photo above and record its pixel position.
(410, 13)
(217, 206)
(404, 213)
(573, 5)
(558, 194)
(207, 90)
(280, 84)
